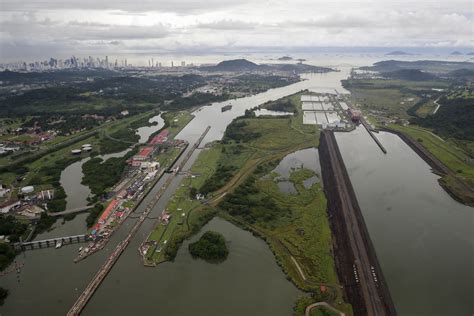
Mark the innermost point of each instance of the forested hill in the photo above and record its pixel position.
(454, 119)
(239, 65)
(233, 65)
(410, 75)
(53, 77)
(433, 66)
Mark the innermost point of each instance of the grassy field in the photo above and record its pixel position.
(168, 237)
(392, 97)
(426, 109)
(177, 121)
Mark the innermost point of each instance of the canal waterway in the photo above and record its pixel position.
(156, 122)
(423, 238)
(66, 279)
(248, 282)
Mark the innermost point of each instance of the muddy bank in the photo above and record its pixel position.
(462, 193)
(353, 249)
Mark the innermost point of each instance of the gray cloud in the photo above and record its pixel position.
(142, 26)
(29, 27)
(228, 25)
(179, 6)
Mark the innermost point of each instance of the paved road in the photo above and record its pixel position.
(310, 307)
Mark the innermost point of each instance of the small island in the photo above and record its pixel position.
(210, 247)
(398, 53)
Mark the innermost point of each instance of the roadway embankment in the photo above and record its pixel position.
(355, 257)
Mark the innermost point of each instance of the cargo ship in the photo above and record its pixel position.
(226, 107)
(355, 115)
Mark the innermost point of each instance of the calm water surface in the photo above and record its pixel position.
(423, 238)
(65, 279)
(249, 282)
(305, 158)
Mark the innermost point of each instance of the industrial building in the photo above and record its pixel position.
(319, 110)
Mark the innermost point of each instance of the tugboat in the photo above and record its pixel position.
(226, 107)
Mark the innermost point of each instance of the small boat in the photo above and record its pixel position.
(59, 244)
(80, 249)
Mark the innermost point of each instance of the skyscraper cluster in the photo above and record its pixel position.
(77, 63)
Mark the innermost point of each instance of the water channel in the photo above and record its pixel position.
(422, 237)
(71, 177)
(66, 280)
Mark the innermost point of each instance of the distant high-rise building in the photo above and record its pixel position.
(172, 64)
(183, 63)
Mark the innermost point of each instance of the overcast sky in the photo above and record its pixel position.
(31, 28)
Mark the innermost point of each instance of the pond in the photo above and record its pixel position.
(305, 158)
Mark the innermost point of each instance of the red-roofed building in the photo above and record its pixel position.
(108, 211)
(160, 138)
(142, 155)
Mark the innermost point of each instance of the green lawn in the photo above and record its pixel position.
(393, 97)
(426, 109)
(306, 234)
(181, 226)
(177, 121)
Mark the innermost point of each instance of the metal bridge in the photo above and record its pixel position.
(46, 243)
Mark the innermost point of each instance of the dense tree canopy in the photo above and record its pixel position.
(210, 247)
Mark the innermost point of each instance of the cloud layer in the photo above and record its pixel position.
(37, 27)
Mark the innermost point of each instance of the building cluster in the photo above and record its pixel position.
(142, 171)
(29, 201)
(80, 63)
(30, 136)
